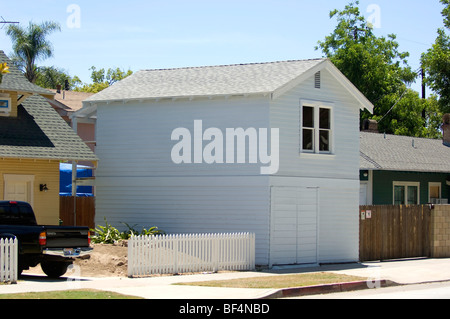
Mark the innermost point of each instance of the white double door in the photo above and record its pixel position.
(294, 225)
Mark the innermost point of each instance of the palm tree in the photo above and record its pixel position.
(30, 44)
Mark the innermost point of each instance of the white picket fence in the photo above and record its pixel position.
(8, 260)
(174, 254)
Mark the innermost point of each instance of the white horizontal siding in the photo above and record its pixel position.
(135, 139)
(336, 176)
(285, 114)
(188, 205)
(339, 222)
(138, 183)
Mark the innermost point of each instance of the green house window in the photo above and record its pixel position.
(399, 195)
(406, 193)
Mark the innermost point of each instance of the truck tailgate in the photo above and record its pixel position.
(67, 237)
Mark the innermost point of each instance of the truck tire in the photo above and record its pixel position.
(54, 269)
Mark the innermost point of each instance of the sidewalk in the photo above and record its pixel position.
(411, 271)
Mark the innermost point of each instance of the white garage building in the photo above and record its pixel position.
(267, 148)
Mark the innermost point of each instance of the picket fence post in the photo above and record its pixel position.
(148, 255)
(9, 260)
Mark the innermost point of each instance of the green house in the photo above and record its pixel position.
(402, 170)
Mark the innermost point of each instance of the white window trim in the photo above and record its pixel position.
(317, 105)
(434, 184)
(406, 184)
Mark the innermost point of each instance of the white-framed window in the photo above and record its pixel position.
(434, 193)
(406, 193)
(5, 104)
(316, 127)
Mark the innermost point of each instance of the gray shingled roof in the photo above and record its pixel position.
(52, 138)
(403, 153)
(14, 80)
(255, 78)
(38, 132)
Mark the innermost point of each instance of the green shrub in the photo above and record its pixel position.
(105, 234)
(153, 231)
(109, 235)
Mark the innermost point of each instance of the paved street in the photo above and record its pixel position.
(439, 290)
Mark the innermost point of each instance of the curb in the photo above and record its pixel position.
(328, 289)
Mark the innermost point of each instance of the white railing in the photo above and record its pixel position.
(8, 260)
(173, 254)
(439, 201)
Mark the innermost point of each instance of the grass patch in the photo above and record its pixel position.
(68, 294)
(280, 281)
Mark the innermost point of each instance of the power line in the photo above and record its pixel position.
(406, 90)
(418, 72)
(7, 22)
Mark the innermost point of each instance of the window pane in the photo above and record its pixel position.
(435, 192)
(9, 215)
(399, 195)
(413, 192)
(325, 119)
(27, 215)
(308, 116)
(308, 136)
(324, 141)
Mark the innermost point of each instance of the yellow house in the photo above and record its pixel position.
(34, 139)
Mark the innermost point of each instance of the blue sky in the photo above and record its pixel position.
(172, 33)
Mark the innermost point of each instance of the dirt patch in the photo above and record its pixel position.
(105, 261)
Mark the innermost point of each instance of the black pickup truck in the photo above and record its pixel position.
(54, 247)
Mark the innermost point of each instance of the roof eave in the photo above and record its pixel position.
(365, 104)
(94, 160)
(180, 97)
(297, 81)
(409, 170)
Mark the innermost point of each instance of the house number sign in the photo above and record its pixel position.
(366, 214)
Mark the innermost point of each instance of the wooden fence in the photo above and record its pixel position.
(394, 232)
(85, 211)
(8, 260)
(174, 254)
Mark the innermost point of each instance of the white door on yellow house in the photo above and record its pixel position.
(18, 187)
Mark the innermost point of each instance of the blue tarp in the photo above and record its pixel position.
(65, 173)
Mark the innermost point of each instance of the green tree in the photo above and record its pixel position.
(406, 115)
(30, 45)
(102, 79)
(50, 77)
(436, 63)
(378, 69)
(446, 12)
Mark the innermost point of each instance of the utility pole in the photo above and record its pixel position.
(424, 113)
(423, 85)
